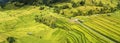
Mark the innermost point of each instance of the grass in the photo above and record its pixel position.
(21, 24)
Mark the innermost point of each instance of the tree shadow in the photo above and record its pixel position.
(10, 7)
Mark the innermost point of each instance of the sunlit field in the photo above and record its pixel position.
(59, 21)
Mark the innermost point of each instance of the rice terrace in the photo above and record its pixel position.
(59, 21)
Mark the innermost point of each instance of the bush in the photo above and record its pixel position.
(55, 1)
(48, 20)
(118, 5)
(75, 5)
(90, 12)
(100, 4)
(42, 8)
(23, 2)
(82, 3)
(11, 39)
(3, 3)
(57, 10)
(48, 2)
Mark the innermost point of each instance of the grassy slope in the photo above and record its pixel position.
(19, 23)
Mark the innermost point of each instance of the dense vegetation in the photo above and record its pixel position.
(59, 21)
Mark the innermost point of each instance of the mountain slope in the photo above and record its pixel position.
(61, 23)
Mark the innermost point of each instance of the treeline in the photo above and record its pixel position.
(32, 2)
(75, 3)
(67, 4)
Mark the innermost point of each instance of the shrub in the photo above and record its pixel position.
(75, 5)
(82, 3)
(100, 4)
(11, 39)
(42, 8)
(118, 5)
(48, 2)
(48, 20)
(3, 3)
(79, 13)
(55, 1)
(90, 12)
(57, 10)
(23, 2)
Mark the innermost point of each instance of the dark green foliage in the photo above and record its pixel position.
(25, 1)
(41, 8)
(75, 5)
(102, 11)
(82, 3)
(118, 5)
(57, 10)
(47, 20)
(100, 4)
(56, 1)
(46, 2)
(2, 6)
(3, 3)
(90, 12)
(37, 18)
(79, 13)
(11, 39)
(20, 3)
(112, 9)
(65, 7)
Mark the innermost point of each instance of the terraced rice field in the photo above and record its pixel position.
(44, 26)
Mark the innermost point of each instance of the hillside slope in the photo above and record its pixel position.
(61, 23)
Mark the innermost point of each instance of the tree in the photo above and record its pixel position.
(42, 8)
(24, 2)
(75, 5)
(11, 39)
(82, 3)
(3, 3)
(112, 9)
(118, 5)
(55, 1)
(100, 4)
(46, 2)
(90, 12)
